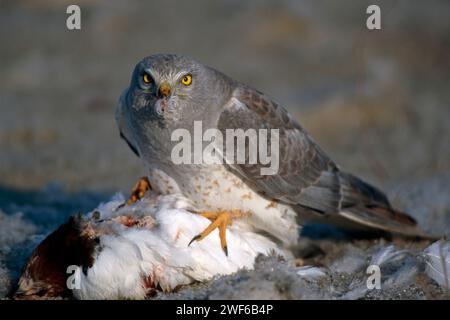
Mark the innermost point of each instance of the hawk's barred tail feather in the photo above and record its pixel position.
(373, 219)
(365, 205)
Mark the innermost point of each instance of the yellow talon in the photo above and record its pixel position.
(138, 191)
(219, 219)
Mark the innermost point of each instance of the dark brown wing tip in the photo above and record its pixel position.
(406, 219)
(403, 217)
(389, 213)
(389, 220)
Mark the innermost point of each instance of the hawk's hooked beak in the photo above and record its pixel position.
(164, 90)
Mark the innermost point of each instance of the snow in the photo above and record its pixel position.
(329, 268)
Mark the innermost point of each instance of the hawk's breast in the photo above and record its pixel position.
(214, 188)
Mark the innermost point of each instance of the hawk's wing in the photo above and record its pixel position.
(121, 121)
(307, 178)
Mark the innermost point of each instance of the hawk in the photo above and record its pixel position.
(169, 92)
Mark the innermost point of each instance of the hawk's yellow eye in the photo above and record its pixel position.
(146, 78)
(186, 80)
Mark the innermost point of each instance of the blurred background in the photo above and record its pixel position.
(377, 101)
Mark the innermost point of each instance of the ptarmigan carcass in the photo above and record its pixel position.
(133, 251)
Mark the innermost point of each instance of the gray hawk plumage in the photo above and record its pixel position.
(307, 186)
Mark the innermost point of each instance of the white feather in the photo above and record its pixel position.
(310, 272)
(129, 255)
(438, 262)
(387, 255)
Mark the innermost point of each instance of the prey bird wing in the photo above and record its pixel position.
(307, 179)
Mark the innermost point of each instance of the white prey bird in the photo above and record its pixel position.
(134, 251)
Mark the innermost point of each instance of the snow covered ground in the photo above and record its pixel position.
(320, 267)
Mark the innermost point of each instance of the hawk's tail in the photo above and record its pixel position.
(367, 206)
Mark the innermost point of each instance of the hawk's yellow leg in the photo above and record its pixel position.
(138, 192)
(220, 220)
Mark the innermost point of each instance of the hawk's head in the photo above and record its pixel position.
(168, 87)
